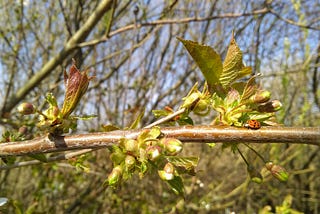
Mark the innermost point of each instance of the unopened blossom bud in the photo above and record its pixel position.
(23, 130)
(131, 145)
(254, 175)
(115, 176)
(272, 106)
(167, 173)
(261, 97)
(153, 152)
(130, 162)
(201, 107)
(26, 108)
(171, 146)
(277, 171)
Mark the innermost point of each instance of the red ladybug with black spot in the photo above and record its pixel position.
(252, 124)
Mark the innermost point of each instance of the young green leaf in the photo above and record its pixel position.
(207, 60)
(232, 65)
(136, 122)
(176, 185)
(249, 89)
(185, 162)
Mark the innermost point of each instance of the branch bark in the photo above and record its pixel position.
(78, 37)
(201, 134)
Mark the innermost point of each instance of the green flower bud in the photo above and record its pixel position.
(129, 162)
(131, 145)
(153, 152)
(261, 97)
(115, 176)
(201, 107)
(277, 171)
(26, 108)
(171, 146)
(255, 175)
(272, 106)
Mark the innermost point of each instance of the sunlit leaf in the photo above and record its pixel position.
(186, 162)
(207, 60)
(108, 18)
(249, 89)
(232, 65)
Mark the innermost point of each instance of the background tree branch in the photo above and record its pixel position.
(78, 37)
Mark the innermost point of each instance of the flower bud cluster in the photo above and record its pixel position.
(198, 102)
(263, 104)
(137, 155)
(53, 119)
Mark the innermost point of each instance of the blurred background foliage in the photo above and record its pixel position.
(138, 63)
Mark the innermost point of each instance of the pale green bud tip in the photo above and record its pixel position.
(153, 152)
(165, 176)
(115, 176)
(255, 175)
(26, 108)
(172, 146)
(129, 161)
(167, 173)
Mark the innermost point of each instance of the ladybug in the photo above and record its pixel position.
(252, 124)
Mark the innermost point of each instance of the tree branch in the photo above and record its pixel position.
(170, 22)
(78, 37)
(201, 134)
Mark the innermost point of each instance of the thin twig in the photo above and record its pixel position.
(166, 119)
(61, 157)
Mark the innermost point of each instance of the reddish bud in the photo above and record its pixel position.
(23, 130)
(277, 171)
(272, 106)
(76, 85)
(171, 146)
